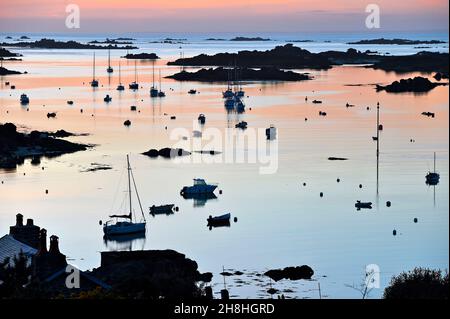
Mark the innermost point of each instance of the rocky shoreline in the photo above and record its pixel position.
(418, 85)
(15, 147)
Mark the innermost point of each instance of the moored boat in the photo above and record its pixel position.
(162, 209)
(24, 99)
(432, 178)
(200, 187)
(360, 204)
(124, 224)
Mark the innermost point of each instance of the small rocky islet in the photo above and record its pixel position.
(15, 146)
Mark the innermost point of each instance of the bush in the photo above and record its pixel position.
(420, 283)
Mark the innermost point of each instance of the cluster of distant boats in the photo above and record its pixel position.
(128, 224)
(154, 91)
(234, 98)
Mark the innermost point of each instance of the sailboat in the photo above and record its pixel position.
(160, 93)
(94, 82)
(109, 69)
(240, 92)
(153, 89)
(134, 85)
(432, 178)
(123, 224)
(120, 87)
(229, 92)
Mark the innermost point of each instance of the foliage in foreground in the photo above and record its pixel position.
(420, 283)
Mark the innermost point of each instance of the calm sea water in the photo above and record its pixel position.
(280, 222)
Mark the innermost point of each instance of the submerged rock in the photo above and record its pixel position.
(291, 273)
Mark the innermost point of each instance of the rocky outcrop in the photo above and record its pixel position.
(4, 71)
(291, 273)
(417, 84)
(292, 57)
(7, 54)
(419, 62)
(15, 146)
(53, 44)
(142, 56)
(245, 74)
(150, 274)
(397, 41)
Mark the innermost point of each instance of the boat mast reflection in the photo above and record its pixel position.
(125, 242)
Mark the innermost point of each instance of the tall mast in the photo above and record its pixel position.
(153, 65)
(120, 79)
(109, 58)
(435, 162)
(378, 128)
(129, 182)
(160, 80)
(135, 72)
(93, 68)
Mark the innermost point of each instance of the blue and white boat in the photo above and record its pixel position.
(199, 187)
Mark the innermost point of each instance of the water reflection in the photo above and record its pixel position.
(125, 242)
(200, 199)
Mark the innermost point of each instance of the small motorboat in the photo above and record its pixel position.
(321, 113)
(70, 102)
(133, 108)
(317, 102)
(6, 83)
(374, 138)
(133, 86)
(199, 187)
(360, 204)
(24, 99)
(51, 114)
(202, 119)
(429, 114)
(218, 221)
(271, 132)
(162, 209)
(192, 91)
(13, 87)
(241, 125)
(107, 98)
(161, 94)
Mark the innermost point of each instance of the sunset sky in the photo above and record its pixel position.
(221, 15)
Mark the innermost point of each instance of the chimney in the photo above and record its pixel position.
(54, 247)
(42, 242)
(19, 220)
(30, 222)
